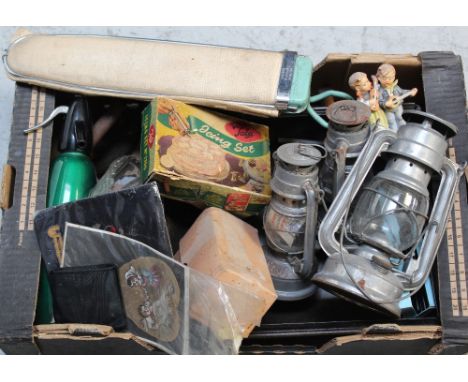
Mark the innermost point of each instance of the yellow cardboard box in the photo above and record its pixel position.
(206, 158)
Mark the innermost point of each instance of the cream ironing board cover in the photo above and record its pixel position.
(232, 78)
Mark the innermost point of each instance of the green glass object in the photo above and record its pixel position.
(72, 176)
(44, 308)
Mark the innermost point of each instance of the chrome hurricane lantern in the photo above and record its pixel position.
(372, 258)
(290, 220)
(347, 134)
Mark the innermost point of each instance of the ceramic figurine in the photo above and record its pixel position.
(367, 93)
(391, 96)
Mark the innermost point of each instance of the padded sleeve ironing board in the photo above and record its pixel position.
(237, 79)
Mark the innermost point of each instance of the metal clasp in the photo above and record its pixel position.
(50, 118)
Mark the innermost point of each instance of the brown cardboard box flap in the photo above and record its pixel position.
(371, 58)
(387, 332)
(73, 330)
(84, 332)
(6, 193)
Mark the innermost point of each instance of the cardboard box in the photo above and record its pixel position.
(326, 326)
(206, 158)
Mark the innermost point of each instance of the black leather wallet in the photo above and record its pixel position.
(88, 295)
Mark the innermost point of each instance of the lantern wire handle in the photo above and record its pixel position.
(322, 200)
(303, 149)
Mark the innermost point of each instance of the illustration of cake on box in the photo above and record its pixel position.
(233, 154)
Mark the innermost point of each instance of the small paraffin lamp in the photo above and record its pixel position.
(290, 220)
(347, 134)
(371, 258)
